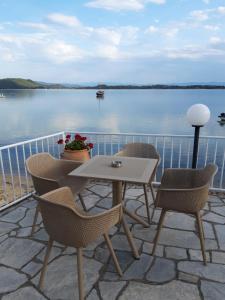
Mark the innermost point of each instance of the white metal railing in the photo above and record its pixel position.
(175, 152)
(16, 182)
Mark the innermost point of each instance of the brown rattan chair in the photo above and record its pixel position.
(185, 191)
(67, 224)
(142, 150)
(49, 173)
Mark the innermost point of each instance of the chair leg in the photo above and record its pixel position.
(130, 238)
(82, 202)
(153, 212)
(154, 204)
(162, 216)
(202, 228)
(147, 203)
(201, 237)
(43, 271)
(80, 272)
(35, 220)
(152, 192)
(109, 244)
(124, 190)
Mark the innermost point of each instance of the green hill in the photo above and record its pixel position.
(19, 83)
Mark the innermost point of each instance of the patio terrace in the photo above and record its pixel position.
(174, 273)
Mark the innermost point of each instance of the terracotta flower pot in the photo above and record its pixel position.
(78, 155)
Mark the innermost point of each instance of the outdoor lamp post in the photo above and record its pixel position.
(198, 115)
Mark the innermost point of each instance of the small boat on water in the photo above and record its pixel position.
(222, 117)
(100, 94)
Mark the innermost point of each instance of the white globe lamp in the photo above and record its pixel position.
(197, 115)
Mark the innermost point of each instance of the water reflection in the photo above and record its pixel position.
(29, 113)
(18, 94)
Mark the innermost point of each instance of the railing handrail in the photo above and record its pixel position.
(146, 134)
(31, 140)
(108, 133)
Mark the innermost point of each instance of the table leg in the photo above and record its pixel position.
(135, 217)
(117, 192)
(117, 198)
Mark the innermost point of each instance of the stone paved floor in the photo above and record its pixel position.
(175, 272)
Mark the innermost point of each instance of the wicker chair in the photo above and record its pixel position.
(185, 191)
(67, 224)
(142, 150)
(49, 173)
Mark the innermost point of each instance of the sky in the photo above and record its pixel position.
(113, 41)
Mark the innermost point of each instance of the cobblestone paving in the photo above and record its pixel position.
(175, 272)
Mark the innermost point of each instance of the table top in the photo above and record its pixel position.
(133, 169)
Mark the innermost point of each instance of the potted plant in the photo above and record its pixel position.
(77, 148)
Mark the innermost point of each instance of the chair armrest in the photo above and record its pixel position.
(61, 168)
(112, 212)
(62, 196)
(178, 178)
(180, 190)
(68, 165)
(99, 224)
(184, 200)
(44, 185)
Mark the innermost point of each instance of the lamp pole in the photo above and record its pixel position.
(195, 146)
(198, 115)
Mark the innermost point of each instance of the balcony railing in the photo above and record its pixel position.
(175, 152)
(16, 182)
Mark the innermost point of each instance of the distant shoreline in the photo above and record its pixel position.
(25, 84)
(153, 87)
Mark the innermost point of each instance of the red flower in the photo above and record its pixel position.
(78, 137)
(60, 141)
(90, 145)
(67, 141)
(68, 136)
(83, 138)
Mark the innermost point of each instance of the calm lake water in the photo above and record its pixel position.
(30, 113)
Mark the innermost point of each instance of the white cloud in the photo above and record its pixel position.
(7, 38)
(215, 40)
(54, 46)
(221, 10)
(199, 15)
(108, 52)
(194, 52)
(32, 25)
(6, 54)
(74, 41)
(203, 15)
(108, 35)
(61, 52)
(116, 5)
(211, 27)
(169, 31)
(152, 29)
(61, 19)
(119, 5)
